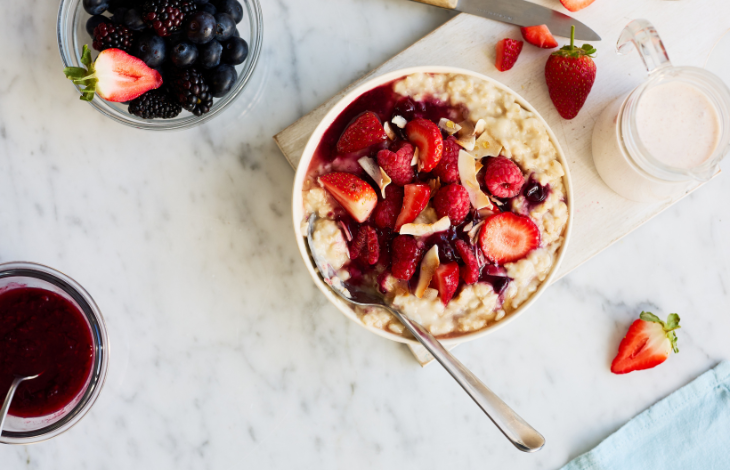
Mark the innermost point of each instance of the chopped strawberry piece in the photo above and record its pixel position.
(415, 199)
(539, 36)
(575, 5)
(446, 280)
(366, 245)
(507, 237)
(469, 272)
(398, 164)
(508, 50)
(426, 135)
(387, 210)
(406, 256)
(503, 177)
(452, 201)
(448, 168)
(364, 131)
(355, 195)
(647, 344)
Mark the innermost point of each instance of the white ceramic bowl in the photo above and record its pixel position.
(298, 209)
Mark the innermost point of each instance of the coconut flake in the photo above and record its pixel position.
(449, 126)
(375, 172)
(474, 232)
(486, 146)
(468, 226)
(414, 160)
(479, 127)
(428, 267)
(388, 130)
(468, 176)
(399, 121)
(466, 142)
(424, 230)
(435, 185)
(486, 212)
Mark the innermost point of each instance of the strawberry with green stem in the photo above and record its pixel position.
(570, 73)
(647, 344)
(114, 75)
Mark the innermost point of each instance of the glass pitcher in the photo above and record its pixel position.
(666, 134)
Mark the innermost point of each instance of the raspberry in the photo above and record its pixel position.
(470, 272)
(452, 201)
(398, 164)
(406, 255)
(503, 177)
(448, 168)
(387, 210)
(366, 245)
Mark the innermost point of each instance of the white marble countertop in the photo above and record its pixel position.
(225, 355)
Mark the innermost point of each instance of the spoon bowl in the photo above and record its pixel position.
(9, 397)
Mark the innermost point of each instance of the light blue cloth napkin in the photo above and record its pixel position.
(688, 430)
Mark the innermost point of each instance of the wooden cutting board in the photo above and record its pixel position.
(602, 217)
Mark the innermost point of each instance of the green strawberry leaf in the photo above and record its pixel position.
(75, 73)
(86, 56)
(673, 321)
(83, 77)
(648, 316)
(573, 51)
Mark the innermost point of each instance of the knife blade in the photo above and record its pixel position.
(520, 13)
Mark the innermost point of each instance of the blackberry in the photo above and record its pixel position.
(192, 91)
(155, 104)
(166, 16)
(108, 36)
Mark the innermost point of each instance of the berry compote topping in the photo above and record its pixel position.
(43, 332)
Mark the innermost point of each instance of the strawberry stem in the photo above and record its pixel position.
(572, 35)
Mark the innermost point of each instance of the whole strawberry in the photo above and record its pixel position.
(570, 73)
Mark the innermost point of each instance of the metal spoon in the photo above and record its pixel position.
(9, 397)
(516, 429)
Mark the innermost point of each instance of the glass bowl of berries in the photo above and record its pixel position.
(160, 64)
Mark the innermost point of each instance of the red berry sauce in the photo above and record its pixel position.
(43, 332)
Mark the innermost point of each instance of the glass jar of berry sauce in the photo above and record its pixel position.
(49, 325)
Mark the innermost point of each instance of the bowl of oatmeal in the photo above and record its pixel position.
(444, 190)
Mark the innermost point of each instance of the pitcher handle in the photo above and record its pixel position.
(642, 34)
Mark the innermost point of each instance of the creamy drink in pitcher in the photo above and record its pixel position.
(666, 134)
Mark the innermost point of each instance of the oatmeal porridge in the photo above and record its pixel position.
(444, 193)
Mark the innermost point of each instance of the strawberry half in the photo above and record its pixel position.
(115, 76)
(355, 195)
(426, 135)
(364, 131)
(575, 5)
(415, 199)
(570, 74)
(507, 237)
(446, 280)
(647, 344)
(539, 36)
(508, 50)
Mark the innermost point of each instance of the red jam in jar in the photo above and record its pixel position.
(43, 332)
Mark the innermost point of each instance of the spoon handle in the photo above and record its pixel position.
(8, 400)
(516, 429)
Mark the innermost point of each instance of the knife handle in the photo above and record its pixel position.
(450, 4)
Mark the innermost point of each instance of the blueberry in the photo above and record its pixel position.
(235, 51)
(221, 80)
(200, 2)
(224, 26)
(150, 48)
(119, 14)
(201, 27)
(133, 20)
(95, 7)
(236, 34)
(232, 7)
(95, 21)
(534, 192)
(176, 38)
(210, 54)
(183, 54)
(208, 8)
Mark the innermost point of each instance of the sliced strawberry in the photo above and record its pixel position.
(115, 76)
(386, 213)
(364, 131)
(445, 280)
(426, 135)
(575, 5)
(355, 195)
(507, 237)
(647, 344)
(470, 272)
(415, 199)
(406, 253)
(508, 50)
(539, 36)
